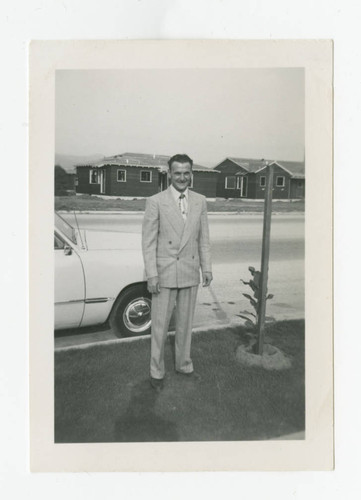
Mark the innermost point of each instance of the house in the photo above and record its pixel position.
(230, 186)
(138, 175)
(246, 178)
(288, 181)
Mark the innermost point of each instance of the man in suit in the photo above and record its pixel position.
(175, 243)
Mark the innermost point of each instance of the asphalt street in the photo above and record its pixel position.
(236, 244)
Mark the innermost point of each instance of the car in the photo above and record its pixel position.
(100, 278)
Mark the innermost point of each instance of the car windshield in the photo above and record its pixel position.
(65, 228)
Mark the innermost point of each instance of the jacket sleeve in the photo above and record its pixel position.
(150, 229)
(204, 243)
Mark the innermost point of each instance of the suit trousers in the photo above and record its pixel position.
(162, 308)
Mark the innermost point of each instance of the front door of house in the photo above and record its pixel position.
(242, 185)
(163, 181)
(102, 181)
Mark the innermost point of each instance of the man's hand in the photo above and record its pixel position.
(207, 278)
(153, 285)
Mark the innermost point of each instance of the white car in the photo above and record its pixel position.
(99, 277)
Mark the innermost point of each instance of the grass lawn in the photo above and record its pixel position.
(102, 393)
(94, 203)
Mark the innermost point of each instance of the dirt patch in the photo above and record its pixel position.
(272, 358)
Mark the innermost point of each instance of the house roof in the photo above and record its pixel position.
(295, 168)
(249, 164)
(141, 160)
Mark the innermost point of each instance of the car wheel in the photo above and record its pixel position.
(131, 313)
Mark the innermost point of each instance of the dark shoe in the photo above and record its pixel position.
(190, 375)
(157, 383)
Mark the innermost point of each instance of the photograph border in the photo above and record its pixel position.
(316, 451)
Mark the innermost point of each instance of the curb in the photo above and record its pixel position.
(134, 212)
(234, 323)
(127, 340)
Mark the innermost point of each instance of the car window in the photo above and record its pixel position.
(58, 243)
(65, 228)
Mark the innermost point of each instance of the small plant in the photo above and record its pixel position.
(251, 318)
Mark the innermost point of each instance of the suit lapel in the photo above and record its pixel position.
(173, 213)
(192, 217)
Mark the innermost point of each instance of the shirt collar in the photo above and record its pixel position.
(176, 193)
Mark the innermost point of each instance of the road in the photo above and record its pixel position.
(236, 244)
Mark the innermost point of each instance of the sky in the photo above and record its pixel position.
(209, 114)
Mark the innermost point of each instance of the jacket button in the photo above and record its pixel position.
(170, 242)
(177, 258)
(192, 256)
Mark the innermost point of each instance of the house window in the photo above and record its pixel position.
(145, 176)
(121, 175)
(230, 182)
(280, 181)
(93, 176)
(262, 181)
(299, 184)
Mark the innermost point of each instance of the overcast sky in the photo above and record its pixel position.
(207, 113)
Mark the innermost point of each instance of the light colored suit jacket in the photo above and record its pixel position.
(175, 250)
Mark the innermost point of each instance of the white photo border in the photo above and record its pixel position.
(316, 451)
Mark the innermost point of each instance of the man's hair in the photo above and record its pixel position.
(180, 159)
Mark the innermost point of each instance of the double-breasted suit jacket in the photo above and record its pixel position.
(175, 250)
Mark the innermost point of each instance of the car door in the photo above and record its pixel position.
(69, 285)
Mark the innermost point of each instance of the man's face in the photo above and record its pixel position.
(180, 175)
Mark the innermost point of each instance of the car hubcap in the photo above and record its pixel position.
(137, 315)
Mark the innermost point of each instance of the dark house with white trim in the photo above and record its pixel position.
(245, 178)
(138, 175)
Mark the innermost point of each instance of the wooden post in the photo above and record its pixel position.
(265, 261)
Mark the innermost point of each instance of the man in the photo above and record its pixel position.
(176, 246)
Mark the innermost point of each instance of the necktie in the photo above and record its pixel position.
(182, 206)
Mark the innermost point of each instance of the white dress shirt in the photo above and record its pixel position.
(182, 203)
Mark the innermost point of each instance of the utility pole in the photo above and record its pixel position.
(265, 260)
